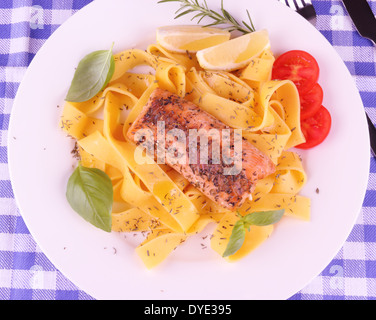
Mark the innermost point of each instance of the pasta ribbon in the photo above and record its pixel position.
(133, 220)
(259, 69)
(185, 59)
(76, 123)
(231, 113)
(295, 206)
(171, 77)
(253, 238)
(286, 93)
(127, 60)
(290, 176)
(271, 140)
(158, 246)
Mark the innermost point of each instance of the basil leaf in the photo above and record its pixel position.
(93, 73)
(90, 194)
(236, 239)
(263, 218)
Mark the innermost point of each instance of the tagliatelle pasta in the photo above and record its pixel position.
(155, 199)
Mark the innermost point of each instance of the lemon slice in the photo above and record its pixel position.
(235, 53)
(190, 38)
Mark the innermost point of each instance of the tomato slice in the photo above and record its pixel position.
(311, 101)
(299, 67)
(316, 128)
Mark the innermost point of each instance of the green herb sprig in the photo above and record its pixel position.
(262, 218)
(90, 194)
(203, 11)
(93, 73)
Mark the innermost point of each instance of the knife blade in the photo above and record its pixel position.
(372, 134)
(365, 22)
(362, 16)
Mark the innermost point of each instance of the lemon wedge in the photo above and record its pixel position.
(235, 53)
(190, 38)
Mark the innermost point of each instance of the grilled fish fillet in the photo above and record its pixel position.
(225, 183)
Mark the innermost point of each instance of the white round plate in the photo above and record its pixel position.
(105, 264)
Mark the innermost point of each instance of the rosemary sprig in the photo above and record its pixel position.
(202, 11)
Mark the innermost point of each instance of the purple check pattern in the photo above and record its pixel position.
(27, 274)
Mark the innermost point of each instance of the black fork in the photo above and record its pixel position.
(303, 7)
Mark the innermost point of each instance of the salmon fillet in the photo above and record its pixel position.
(221, 181)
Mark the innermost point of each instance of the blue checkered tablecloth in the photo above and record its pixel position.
(26, 273)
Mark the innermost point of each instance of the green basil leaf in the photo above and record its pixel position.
(263, 218)
(93, 73)
(236, 239)
(90, 194)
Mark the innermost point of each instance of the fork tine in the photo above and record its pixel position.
(303, 7)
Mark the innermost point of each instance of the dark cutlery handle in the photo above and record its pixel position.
(307, 12)
(372, 134)
(363, 17)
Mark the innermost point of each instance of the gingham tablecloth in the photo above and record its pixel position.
(26, 273)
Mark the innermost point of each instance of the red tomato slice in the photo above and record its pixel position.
(299, 67)
(316, 128)
(311, 101)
